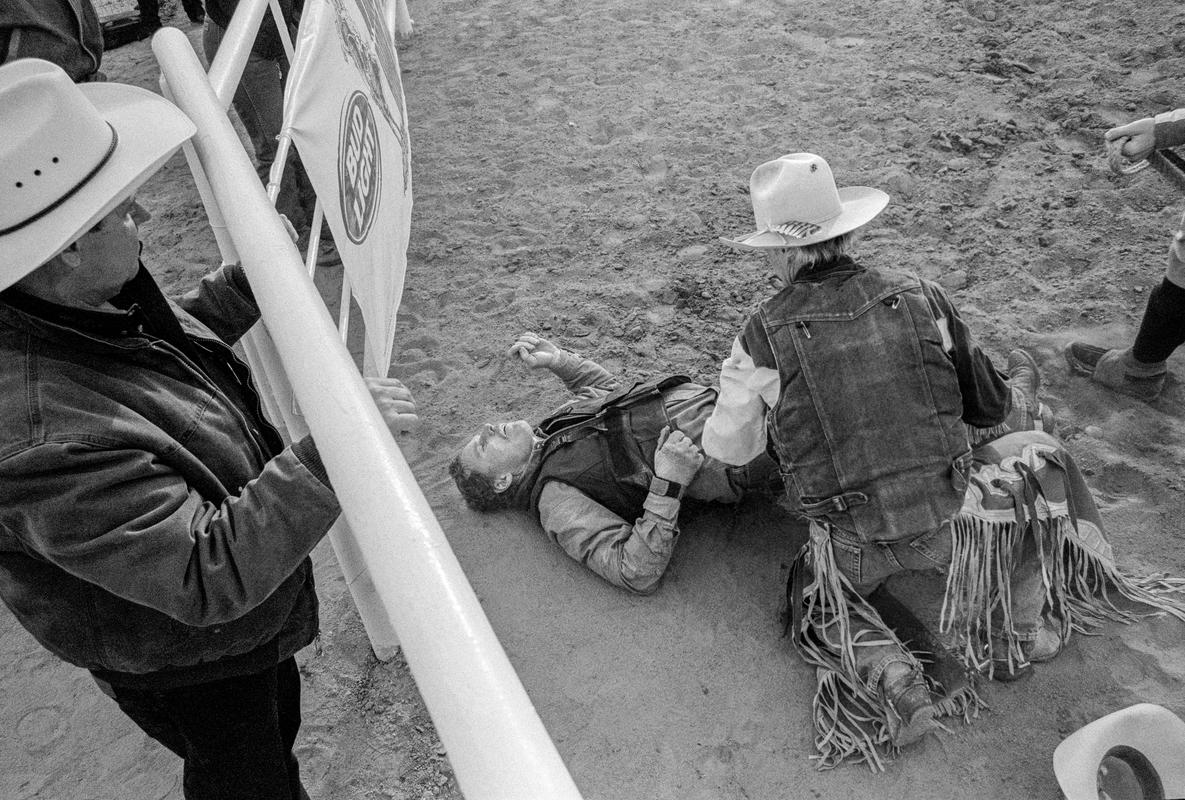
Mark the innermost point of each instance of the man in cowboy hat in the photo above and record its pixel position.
(870, 391)
(616, 514)
(154, 529)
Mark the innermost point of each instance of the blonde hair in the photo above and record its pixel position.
(798, 259)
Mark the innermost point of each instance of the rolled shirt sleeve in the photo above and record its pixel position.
(1169, 129)
(632, 556)
(583, 376)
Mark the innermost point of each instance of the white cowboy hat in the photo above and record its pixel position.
(1138, 752)
(69, 154)
(796, 203)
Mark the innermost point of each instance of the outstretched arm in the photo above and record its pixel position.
(579, 374)
(1136, 140)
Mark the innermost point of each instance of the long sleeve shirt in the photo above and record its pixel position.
(633, 554)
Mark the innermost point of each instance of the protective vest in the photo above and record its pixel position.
(868, 424)
(603, 446)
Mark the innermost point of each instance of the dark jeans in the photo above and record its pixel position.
(150, 11)
(235, 734)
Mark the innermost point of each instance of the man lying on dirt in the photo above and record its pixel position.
(606, 472)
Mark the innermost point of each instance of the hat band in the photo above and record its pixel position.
(797, 230)
(72, 191)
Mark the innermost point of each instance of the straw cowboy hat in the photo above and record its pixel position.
(69, 154)
(1136, 753)
(796, 203)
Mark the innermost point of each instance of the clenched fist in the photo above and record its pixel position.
(676, 458)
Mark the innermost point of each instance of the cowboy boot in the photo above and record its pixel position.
(1045, 647)
(1116, 369)
(909, 708)
(1024, 374)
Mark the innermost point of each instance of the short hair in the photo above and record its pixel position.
(807, 256)
(478, 490)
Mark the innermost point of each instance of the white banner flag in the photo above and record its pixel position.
(344, 108)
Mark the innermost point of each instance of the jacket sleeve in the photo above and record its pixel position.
(1169, 130)
(987, 398)
(583, 376)
(127, 522)
(224, 303)
(633, 557)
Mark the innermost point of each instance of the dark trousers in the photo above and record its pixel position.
(235, 734)
(150, 11)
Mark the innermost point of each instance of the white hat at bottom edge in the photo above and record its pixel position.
(1148, 738)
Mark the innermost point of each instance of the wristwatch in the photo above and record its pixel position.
(664, 488)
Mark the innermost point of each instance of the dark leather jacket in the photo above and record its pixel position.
(65, 32)
(150, 518)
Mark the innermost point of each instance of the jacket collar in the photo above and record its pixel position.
(142, 307)
(112, 324)
(842, 267)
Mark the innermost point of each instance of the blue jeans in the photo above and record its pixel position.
(235, 734)
(259, 102)
(868, 565)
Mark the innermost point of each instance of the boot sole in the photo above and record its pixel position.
(1140, 388)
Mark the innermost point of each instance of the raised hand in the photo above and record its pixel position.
(534, 351)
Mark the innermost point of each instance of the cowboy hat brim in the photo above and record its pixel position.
(860, 205)
(1153, 731)
(150, 130)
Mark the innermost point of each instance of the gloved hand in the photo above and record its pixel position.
(676, 458)
(1134, 140)
(536, 352)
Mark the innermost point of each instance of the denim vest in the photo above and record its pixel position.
(868, 424)
(604, 447)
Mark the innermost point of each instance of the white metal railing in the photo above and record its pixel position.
(275, 387)
(495, 740)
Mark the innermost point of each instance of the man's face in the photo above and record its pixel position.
(109, 255)
(499, 449)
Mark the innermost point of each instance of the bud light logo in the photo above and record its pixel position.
(359, 169)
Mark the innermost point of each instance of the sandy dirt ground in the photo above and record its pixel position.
(573, 165)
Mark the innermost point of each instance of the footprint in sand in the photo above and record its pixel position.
(41, 728)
